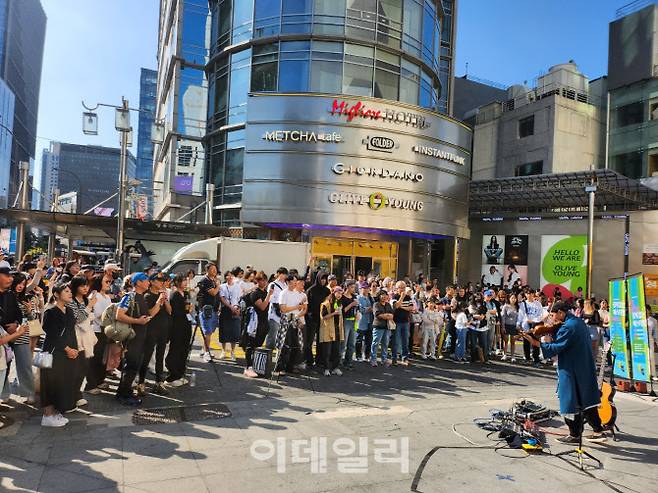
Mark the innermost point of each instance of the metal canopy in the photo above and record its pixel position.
(559, 193)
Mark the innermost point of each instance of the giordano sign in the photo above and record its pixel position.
(356, 162)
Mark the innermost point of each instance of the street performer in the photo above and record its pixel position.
(577, 387)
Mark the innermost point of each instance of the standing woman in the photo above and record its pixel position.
(180, 334)
(591, 317)
(57, 387)
(509, 314)
(96, 369)
(229, 297)
(83, 312)
(331, 331)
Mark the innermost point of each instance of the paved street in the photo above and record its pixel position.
(105, 451)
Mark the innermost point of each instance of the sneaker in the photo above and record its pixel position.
(504, 358)
(95, 391)
(423, 356)
(388, 363)
(440, 356)
(81, 402)
(207, 357)
(536, 365)
(54, 421)
(233, 356)
(159, 389)
(596, 437)
(327, 373)
(222, 354)
(177, 383)
(373, 364)
(301, 366)
(497, 352)
(129, 401)
(337, 372)
(431, 356)
(569, 440)
(140, 389)
(249, 372)
(512, 359)
(405, 362)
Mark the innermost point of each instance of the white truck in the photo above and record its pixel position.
(228, 253)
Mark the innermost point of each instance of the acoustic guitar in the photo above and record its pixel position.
(607, 409)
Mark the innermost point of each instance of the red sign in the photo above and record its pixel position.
(359, 110)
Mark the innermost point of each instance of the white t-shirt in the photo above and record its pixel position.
(279, 286)
(247, 287)
(515, 277)
(231, 293)
(493, 279)
(461, 322)
(100, 306)
(292, 298)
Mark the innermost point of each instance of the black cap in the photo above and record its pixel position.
(560, 306)
(88, 267)
(6, 271)
(158, 276)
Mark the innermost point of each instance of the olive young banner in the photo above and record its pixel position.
(638, 329)
(618, 330)
(563, 264)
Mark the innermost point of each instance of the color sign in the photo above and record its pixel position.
(564, 263)
(618, 332)
(638, 329)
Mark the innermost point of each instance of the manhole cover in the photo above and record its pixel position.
(170, 415)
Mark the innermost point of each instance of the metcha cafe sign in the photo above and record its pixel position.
(302, 136)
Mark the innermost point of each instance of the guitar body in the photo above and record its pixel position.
(607, 410)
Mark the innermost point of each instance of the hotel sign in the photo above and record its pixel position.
(340, 169)
(359, 111)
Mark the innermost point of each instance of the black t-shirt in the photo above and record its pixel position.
(259, 294)
(351, 313)
(380, 309)
(400, 315)
(161, 319)
(204, 297)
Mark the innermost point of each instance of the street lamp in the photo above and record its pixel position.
(89, 123)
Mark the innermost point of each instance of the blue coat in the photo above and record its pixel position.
(577, 387)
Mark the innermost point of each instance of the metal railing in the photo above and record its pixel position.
(549, 90)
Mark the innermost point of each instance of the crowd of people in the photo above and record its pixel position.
(309, 321)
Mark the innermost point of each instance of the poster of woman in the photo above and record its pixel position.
(493, 251)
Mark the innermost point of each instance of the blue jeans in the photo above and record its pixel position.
(379, 337)
(23, 362)
(401, 341)
(208, 325)
(350, 341)
(460, 350)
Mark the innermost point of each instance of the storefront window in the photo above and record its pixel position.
(296, 16)
(240, 71)
(267, 15)
(264, 68)
(361, 19)
(242, 20)
(413, 17)
(329, 17)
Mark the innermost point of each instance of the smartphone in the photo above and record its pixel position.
(24, 321)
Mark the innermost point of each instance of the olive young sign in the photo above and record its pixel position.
(564, 263)
(376, 201)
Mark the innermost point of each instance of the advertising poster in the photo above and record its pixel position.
(563, 264)
(638, 329)
(650, 254)
(618, 331)
(516, 249)
(493, 249)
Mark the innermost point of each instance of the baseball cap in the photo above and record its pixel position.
(158, 276)
(489, 292)
(349, 282)
(138, 276)
(6, 271)
(363, 284)
(4, 263)
(331, 277)
(111, 266)
(88, 267)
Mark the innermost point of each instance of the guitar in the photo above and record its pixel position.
(607, 409)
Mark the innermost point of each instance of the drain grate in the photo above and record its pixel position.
(180, 414)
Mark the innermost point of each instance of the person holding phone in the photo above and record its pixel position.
(259, 299)
(332, 331)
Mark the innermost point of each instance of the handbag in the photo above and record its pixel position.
(35, 328)
(391, 325)
(43, 359)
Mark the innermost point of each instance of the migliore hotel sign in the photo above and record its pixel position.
(358, 162)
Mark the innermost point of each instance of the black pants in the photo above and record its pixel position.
(478, 340)
(132, 361)
(156, 339)
(364, 338)
(253, 343)
(590, 415)
(330, 354)
(452, 331)
(96, 365)
(179, 347)
(311, 333)
(290, 352)
(526, 351)
(81, 365)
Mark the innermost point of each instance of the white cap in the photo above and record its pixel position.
(111, 267)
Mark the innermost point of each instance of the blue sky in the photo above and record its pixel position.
(95, 48)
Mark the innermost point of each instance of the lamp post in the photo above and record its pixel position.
(591, 191)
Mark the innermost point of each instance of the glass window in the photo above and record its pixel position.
(264, 67)
(528, 169)
(413, 18)
(237, 112)
(409, 82)
(293, 76)
(361, 19)
(267, 14)
(386, 84)
(527, 126)
(327, 50)
(357, 80)
(223, 24)
(429, 27)
(359, 54)
(234, 162)
(630, 164)
(242, 20)
(425, 99)
(630, 114)
(326, 76)
(193, 43)
(389, 22)
(296, 16)
(329, 17)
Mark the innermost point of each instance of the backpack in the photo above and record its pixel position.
(114, 330)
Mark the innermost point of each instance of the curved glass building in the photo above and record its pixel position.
(297, 88)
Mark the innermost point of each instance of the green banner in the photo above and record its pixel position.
(618, 331)
(638, 329)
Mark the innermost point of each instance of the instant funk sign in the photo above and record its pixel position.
(359, 111)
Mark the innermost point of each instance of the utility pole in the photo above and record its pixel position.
(210, 201)
(25, 189)
(122, 193)
(51, 236)
(591, 191)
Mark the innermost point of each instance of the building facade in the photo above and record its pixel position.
(49, 176)
(181, 103)
(90, 171)
(147, 93)
(6, 135)
(556, 127)
(633, 86)
(22, 36)
(327, 122)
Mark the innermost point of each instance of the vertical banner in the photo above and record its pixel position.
(563, 264)
(618, 332)
(638, 329)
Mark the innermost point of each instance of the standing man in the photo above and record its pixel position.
(402, 306)
(316, 295)
(157, 333)
(274, 313)
(578, 390)
(350, 306)
(259, 299)
(448, 306)
(134, 311)
(207, 304)
(112, 272)
(531, 313)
